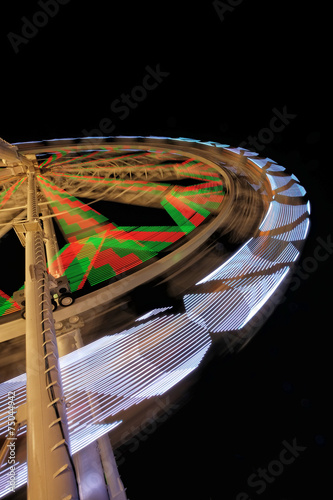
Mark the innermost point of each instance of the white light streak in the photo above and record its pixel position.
(211, 275)
(264, 299)
(153, 312)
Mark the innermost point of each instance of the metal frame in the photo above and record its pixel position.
(51, 473)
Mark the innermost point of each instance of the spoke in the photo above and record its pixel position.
(75, 218)
(12, 200)
(123, 191)
(7, 304)
(131, 186)
(147, 170)
(63, 159)
(6, 195)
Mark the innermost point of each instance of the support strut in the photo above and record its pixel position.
(51, 473)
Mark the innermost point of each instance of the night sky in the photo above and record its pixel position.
(213, 71)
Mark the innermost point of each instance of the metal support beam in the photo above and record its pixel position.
(95, 465)
(115, 485)
(51, 474)
(7, 227)
(12, 158)
(51, 244)
(88, 466)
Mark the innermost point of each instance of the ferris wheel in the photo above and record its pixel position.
(94, 248)
(114, 214)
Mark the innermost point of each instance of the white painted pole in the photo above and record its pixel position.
(50, 470)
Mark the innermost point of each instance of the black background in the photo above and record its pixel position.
(225, 77)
